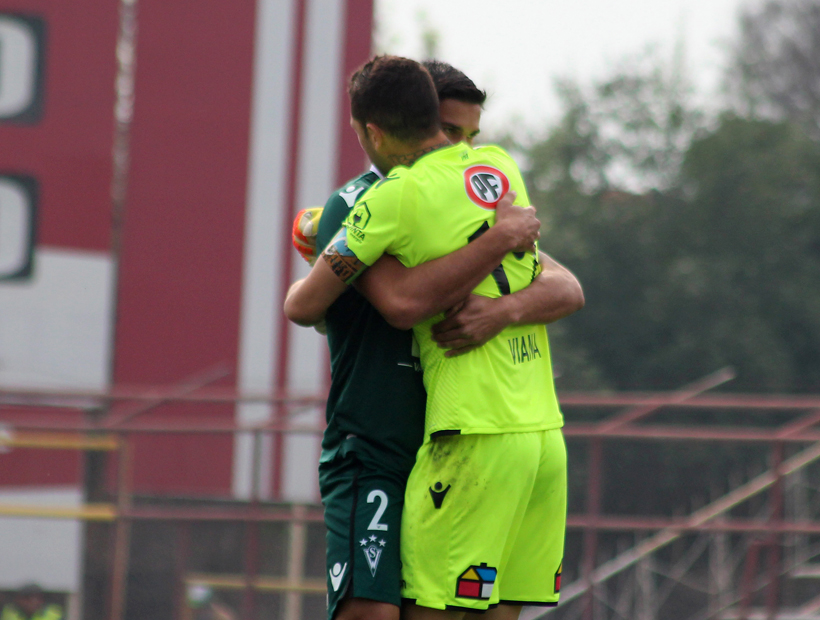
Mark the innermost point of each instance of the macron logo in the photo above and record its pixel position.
(336, 573)
(438, 494)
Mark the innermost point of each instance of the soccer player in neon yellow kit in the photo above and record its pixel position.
(492, 418)
(370, 442)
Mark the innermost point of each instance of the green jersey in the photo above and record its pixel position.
(376, 402)
(432, 208)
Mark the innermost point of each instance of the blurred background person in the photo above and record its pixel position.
(30, 604)
(204, 605)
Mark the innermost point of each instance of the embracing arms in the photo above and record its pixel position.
(407, 296)
(554, 294)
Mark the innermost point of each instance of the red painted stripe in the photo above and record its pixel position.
(69, 149)
(358, 45)
(184, 223)
(21, 467)
(352, 161)
(283, 350)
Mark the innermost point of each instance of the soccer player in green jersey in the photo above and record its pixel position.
(343, 480)
(460, 102)
(370, 442)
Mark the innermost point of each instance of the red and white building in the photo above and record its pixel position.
(227, 116)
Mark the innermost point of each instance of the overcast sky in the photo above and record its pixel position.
(516, 48)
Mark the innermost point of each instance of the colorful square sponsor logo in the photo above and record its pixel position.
(476, 582)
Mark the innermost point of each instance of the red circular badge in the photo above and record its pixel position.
(485, 185)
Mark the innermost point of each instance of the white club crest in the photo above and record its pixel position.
(485, 185)
(373, 553)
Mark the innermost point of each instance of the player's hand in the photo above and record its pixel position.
(305, 227)
(519, 223)
(470, 325)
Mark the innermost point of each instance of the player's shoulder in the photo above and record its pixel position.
(496, 156)
(340, 203)
(397, 173)
(350, 192)
(492, 151)
(391, 185)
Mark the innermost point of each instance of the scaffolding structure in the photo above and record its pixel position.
(709, 563)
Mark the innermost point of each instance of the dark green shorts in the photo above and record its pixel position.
(363, 510)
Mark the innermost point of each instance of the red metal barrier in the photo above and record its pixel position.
(41, 411)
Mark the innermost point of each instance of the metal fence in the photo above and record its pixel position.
(749, 550)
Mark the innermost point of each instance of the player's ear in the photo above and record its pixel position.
(376, 135)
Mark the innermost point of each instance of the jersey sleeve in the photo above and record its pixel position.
(518, 269)
(517, 183)
(374, 224)
(333, 215)
(505, 161)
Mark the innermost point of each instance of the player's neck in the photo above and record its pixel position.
(416, 150)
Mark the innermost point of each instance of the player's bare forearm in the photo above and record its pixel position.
(308, 299)
(554, 294)
(407, 296)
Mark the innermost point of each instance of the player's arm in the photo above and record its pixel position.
(406, 296)
(308, 299)
(554, 294)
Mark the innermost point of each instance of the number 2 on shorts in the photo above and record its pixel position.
(374, 522)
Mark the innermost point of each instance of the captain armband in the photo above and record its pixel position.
(343, 262)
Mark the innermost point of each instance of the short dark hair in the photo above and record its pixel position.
(30, 589)
(454, 84)
(398, 96)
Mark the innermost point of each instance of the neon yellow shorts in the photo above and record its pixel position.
(484, 520)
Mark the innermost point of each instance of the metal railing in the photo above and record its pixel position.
(31, 419)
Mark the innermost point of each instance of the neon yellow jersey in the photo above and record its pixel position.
(432, 208)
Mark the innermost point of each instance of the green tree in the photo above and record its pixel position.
(749, 258)
(775, 63)
(629, 130)
(720, 268)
